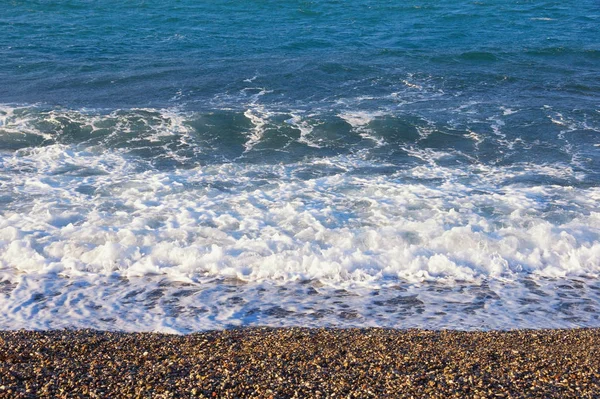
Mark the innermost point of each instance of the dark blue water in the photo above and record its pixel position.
(112, 54)
(341, 144)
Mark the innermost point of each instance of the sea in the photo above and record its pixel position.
(188, 165)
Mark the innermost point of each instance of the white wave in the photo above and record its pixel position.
(305, 128)
(508, 111)
(342, 228)
(497, 124)
(18, 121)
(171, 122)
(259, 118)
(359, 120)
(87, 236)
(411, 85)
(258, 115)
(6, 114)
(426, 130)
(571, 124)
(475, 137)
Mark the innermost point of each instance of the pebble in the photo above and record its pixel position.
(301, 362)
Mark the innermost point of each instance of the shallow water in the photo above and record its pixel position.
(206, 165)
(159, 303)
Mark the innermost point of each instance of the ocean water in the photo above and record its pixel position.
(190, 165)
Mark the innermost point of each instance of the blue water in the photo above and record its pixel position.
(112, 54)
(447, 150)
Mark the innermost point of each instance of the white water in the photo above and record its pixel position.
(75, 223)
(94, 236)
(79, 212)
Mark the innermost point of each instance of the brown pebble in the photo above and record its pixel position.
(297, 362)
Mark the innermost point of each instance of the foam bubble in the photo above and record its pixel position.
(341, 228)
(83, 213)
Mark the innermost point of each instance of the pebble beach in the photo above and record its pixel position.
(299, 362)
(183, 184)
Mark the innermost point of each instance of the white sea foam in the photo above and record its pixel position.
(360, 120)
(508, 111)
(475, 137)
(411, 85)
(259, 116)
(94, 234)
(305, 128)
(496, 125)
(342, 228)
(13, 122)
(156, 303)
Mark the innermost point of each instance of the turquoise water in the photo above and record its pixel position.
(112, 54)
(447, 150)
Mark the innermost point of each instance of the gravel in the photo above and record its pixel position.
(300, 362)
